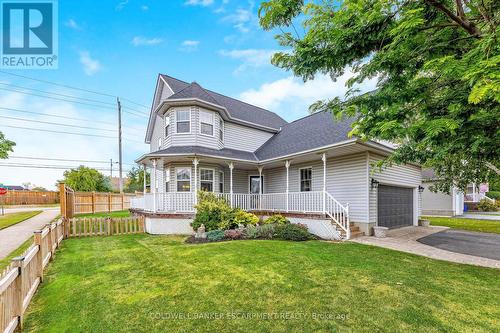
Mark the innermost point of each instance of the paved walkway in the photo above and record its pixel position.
(405, 240)
(14, 236)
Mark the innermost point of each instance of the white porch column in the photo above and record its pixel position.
(195, 163)
(153, 185)
(323, 158)
(144, 180)
(287, 166)
(231, 167)
(474, 198)
(261, 185)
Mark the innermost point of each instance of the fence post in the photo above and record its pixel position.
(38, 242)
(141, 224)
(50, 240)
(108, 222)
(109, 202)
(18, 262)
(93, 202)
(62, 199)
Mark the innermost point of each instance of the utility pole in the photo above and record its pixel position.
(119, 143)
(111, 168)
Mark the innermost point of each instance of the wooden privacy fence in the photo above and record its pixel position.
(91, 202)
(20, 280)
(29, 198)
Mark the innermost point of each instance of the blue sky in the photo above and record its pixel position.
(118, 47)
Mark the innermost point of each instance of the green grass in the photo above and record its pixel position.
(17, 252)
(13, 218)
(139, 283)
(122, 213)
(466, 224)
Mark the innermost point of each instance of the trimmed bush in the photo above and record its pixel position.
(241, 217)
(215, 235)
(215, 213)
(233, 234)
(266, 231)
(276, 219)
(250, 232)
(293, 232)
(486, 206)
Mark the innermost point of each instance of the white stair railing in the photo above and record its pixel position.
(338, 213)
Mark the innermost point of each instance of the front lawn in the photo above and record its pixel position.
(144, 283)
(466, 224)
(122, 213)
(13, 218)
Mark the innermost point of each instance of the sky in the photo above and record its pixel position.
(117, 48)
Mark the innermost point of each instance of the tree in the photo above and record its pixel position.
(136, 180)
(39, 189)
(6, 146)
(437, 65)
(86, 180)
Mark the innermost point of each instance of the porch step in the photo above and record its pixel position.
(356, 234)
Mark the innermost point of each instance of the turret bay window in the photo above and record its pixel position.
(167, 126)
(183, 179)
(207, 123)
(183, 121)
(207, 180)
(305, 179)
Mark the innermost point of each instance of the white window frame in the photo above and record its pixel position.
(167, 180)
(167, 130)
(221, 181)
(207, 181)
(202, 122)
(183, 180)
(300, 180)
(183, 121)
(159, 143)
(221, 130)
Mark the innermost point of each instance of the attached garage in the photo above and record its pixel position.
(395, 206)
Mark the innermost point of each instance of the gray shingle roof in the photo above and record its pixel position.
(237, 109)
(225, 152)
(314, 131)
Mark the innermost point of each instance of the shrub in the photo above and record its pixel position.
(276, 219)
(233, 234)
(266, 231)
(250, 232)
(494, 195)
(293, 232)
(215, 235)
(211, 211)
(486, 206)
(241, 217)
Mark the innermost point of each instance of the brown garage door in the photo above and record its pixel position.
(395, 206)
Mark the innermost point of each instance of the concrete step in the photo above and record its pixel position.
(357, 234)
(354, 229)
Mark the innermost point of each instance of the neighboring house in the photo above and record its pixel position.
(309, 169)
(439, 203)
(14, 188)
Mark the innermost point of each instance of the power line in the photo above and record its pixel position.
(70, 101)
(55, 167)
(70, 87)
(65, 117)
(58, 124)
(63, 160)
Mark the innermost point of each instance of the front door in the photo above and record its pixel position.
(254, 188)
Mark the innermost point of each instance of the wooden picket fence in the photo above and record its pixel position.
(29, 198)
(20, 280)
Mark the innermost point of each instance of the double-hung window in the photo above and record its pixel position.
(183, 121)
(305, 179)
(221, 182)
(207, 123)
(207, 180)
(221, 130)
(167, 126)
(183, 179)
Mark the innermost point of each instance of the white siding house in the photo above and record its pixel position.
(310, 168)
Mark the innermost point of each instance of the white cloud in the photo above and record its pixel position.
(190, 45)
(90, 66)
(144, 7)
(291, 97)
(203, 3)
(241, 19)
(140, 41)
(121, 5)
(251, 58)
(72, 24)
(63, 146)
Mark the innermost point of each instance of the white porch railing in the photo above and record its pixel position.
(318, 202)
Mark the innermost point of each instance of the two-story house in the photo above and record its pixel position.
(309, 169)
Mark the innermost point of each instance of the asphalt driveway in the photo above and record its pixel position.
(479, 244)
